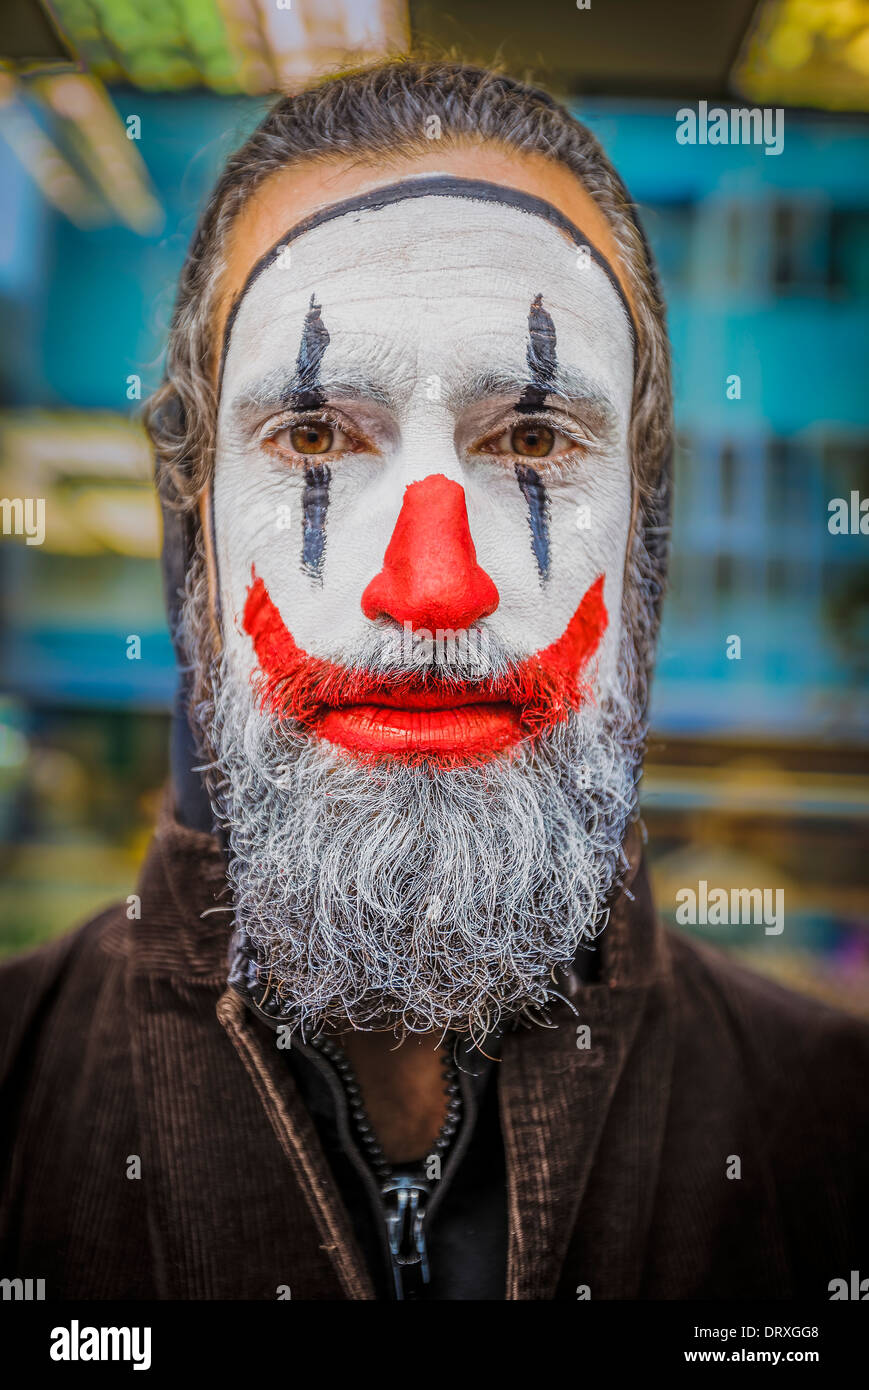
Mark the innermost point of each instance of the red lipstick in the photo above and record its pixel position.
(471, 730)
(421, 715)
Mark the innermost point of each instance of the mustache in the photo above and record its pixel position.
(544, 688)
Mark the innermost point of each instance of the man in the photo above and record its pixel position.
(391, 1015)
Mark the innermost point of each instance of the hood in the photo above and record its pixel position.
(191, 801)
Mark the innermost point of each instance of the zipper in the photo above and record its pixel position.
(348, 1142)
(409, 1203)
(404, 1188)
(405, 1201)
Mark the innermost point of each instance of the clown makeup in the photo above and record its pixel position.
(422, 488)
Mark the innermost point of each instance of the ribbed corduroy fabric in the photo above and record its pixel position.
(709, 1142)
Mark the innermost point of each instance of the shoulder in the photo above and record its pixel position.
(781, 1043)
(58, 982)
(753, 1000)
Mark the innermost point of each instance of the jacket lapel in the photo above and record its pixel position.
(298, 1139)
(240, 1197)
(556, 1096)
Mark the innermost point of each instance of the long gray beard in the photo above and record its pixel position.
(414, 898)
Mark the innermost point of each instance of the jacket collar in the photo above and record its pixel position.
(557, 1085)
(185, 870)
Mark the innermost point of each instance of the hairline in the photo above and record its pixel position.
(421, 186)
(218, 300)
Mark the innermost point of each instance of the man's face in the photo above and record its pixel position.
(421, 506)
(422, 461)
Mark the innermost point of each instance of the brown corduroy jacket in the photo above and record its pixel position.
(710, 1142)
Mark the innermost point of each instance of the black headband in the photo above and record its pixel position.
(434, 185)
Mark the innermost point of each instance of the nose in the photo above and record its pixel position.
(430, 576)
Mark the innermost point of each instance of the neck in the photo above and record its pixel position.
(402, 1089)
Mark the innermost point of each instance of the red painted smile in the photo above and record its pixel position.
(468, 729)
(420, 715)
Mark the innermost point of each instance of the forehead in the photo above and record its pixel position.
(431, 282)
(306, 187)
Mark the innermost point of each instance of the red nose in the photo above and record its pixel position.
(430, 576)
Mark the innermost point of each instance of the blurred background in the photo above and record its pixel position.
(115, 118)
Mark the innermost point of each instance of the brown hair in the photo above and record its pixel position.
(371, 114)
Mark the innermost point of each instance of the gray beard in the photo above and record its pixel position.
(410, 897)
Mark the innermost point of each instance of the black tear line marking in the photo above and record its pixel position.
(315, 504)
(541, 357)
(534, 492)
(443, 185)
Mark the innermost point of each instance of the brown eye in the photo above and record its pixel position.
(532, 441)
(314, 438)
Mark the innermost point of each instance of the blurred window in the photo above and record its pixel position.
(849, 252)
(801, 248)
(786, 480)
(728, 480)
(777, 576)
(724, 572)
(670, 227)
(846, 465)
(734, 240)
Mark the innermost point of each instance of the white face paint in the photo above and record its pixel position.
(429, 305)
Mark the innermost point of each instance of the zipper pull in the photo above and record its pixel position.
(404, 1198)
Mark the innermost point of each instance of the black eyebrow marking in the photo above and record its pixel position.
(542, 357)
(443, 185)
(308, 394)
